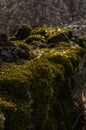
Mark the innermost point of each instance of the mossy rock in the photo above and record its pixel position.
(16, 81)
(67, 32)
(23, 32)
(14, 96)
(74, 55)
(53, 45)
(80, 40)
(64, 44)
(53, 31)
(35, 37)
(20, 113)
(39, 30)
(38, 45)
(50, 31)
(17, 50)
(12, 80)
(58, 37)
(21, 44)
(44, 74)
(63, 60)
(59, 44)
(37, 92)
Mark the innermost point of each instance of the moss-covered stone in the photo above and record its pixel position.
(64, 44)
(16, 81)
(37, 45)
(59, 44)
(58, 37)
(44, 74)
(49, 31)
(63, 60)
(53, 31)
(14, 96)
(15, 112)
(36, 37)
(37, 93)
(23, 32)
(67, 32)
(39, 30)
(72, 54)
(21, 44)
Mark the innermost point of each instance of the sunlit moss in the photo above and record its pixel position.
(35, 37)
(64, 44)
(39, 30)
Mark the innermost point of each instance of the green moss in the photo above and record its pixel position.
(52, 32)
(69, 55)
(18, 113)
(41, 85)
(49, 95)
(52, 45)
(62, 106)
(38, 92)
(14, 82)
(64, 44)
(42, 89)
(63, 60)
(39, 30)
(21, 44)
(35, 37)
(23, 32)
(59, 44)
(74, 54)
(24, 48)
(14, 94)
(37, 77)
(38, 44)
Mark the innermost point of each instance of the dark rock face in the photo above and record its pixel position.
(10, 52)
(3, 39)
